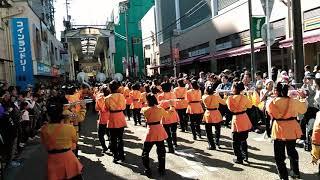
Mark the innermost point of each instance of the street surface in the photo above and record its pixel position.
(191, 161)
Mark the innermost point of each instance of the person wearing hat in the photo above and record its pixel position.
(58, 139)
(285, 129)
(241, 124)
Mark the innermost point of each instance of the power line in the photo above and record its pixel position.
(190, 12)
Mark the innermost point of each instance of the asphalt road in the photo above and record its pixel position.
(191, 161)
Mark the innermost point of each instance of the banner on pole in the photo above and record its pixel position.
(257, 23)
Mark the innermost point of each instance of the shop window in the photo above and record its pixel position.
(225, 3)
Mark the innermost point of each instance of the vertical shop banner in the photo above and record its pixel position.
(257, 23)
(22, 52)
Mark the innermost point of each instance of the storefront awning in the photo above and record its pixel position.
(159, 66)
(308, 38)
(238, 51)
(206, 58)
(189, 60)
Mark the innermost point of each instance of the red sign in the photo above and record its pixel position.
(176, 54)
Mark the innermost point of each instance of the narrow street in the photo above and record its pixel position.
(191, 161)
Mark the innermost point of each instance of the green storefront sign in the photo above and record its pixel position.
(257, 23)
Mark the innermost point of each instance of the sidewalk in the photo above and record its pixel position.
(33, 164)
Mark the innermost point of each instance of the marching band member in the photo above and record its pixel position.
(240, 124)
(116, 104)
(155, 91)
(194, 109)
(212, 116)
(126, 93)
(156, 134)
(103, 117)
(169, 122)
(144, 91)
(181, 104)
(286, 129)
(315, 152)
(58, 138)
(136, 105)
(74, 113)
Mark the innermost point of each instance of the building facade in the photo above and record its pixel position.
(221, 39)
(32, 52)
(129, 13)
(149, 41)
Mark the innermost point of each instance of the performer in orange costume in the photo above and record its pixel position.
(285, 129)
(194, 109)
(167, 102)
(181, 104)
(103, 117)
(240, 124)
(156, 134)
(212, 116)
(58, 138)
(116, 104)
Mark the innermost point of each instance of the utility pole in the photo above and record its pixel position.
(171, 55)
(297, 41)
(269, 54)
(133, 59)
(124, 9)
(251, 39)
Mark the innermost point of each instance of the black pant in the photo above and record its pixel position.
(311, 113)
(136, 116)
(280, 157)
(225, 112)
(78, 177)
(240, 146)
(217, 127)
(116, 140)
(25, 131)
(268, 124)
(161, 151)
(183, 119)
(102, 131)
(171, 130)
(195, 121)
(128, 111)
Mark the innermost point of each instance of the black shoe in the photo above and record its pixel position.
(237, 161)
(211, 148)
(194, 137)
(122, 159)
(293, 175)
(162, 172)
(148, 173)
(115, 160)
(182, 130)
(105, 150)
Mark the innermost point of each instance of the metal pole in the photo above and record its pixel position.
(297, 41)
(251, 39)
(268, 39)
(171, 55)
(133, 59)
(127, 40)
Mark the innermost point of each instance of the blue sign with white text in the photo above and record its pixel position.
(22, 52)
